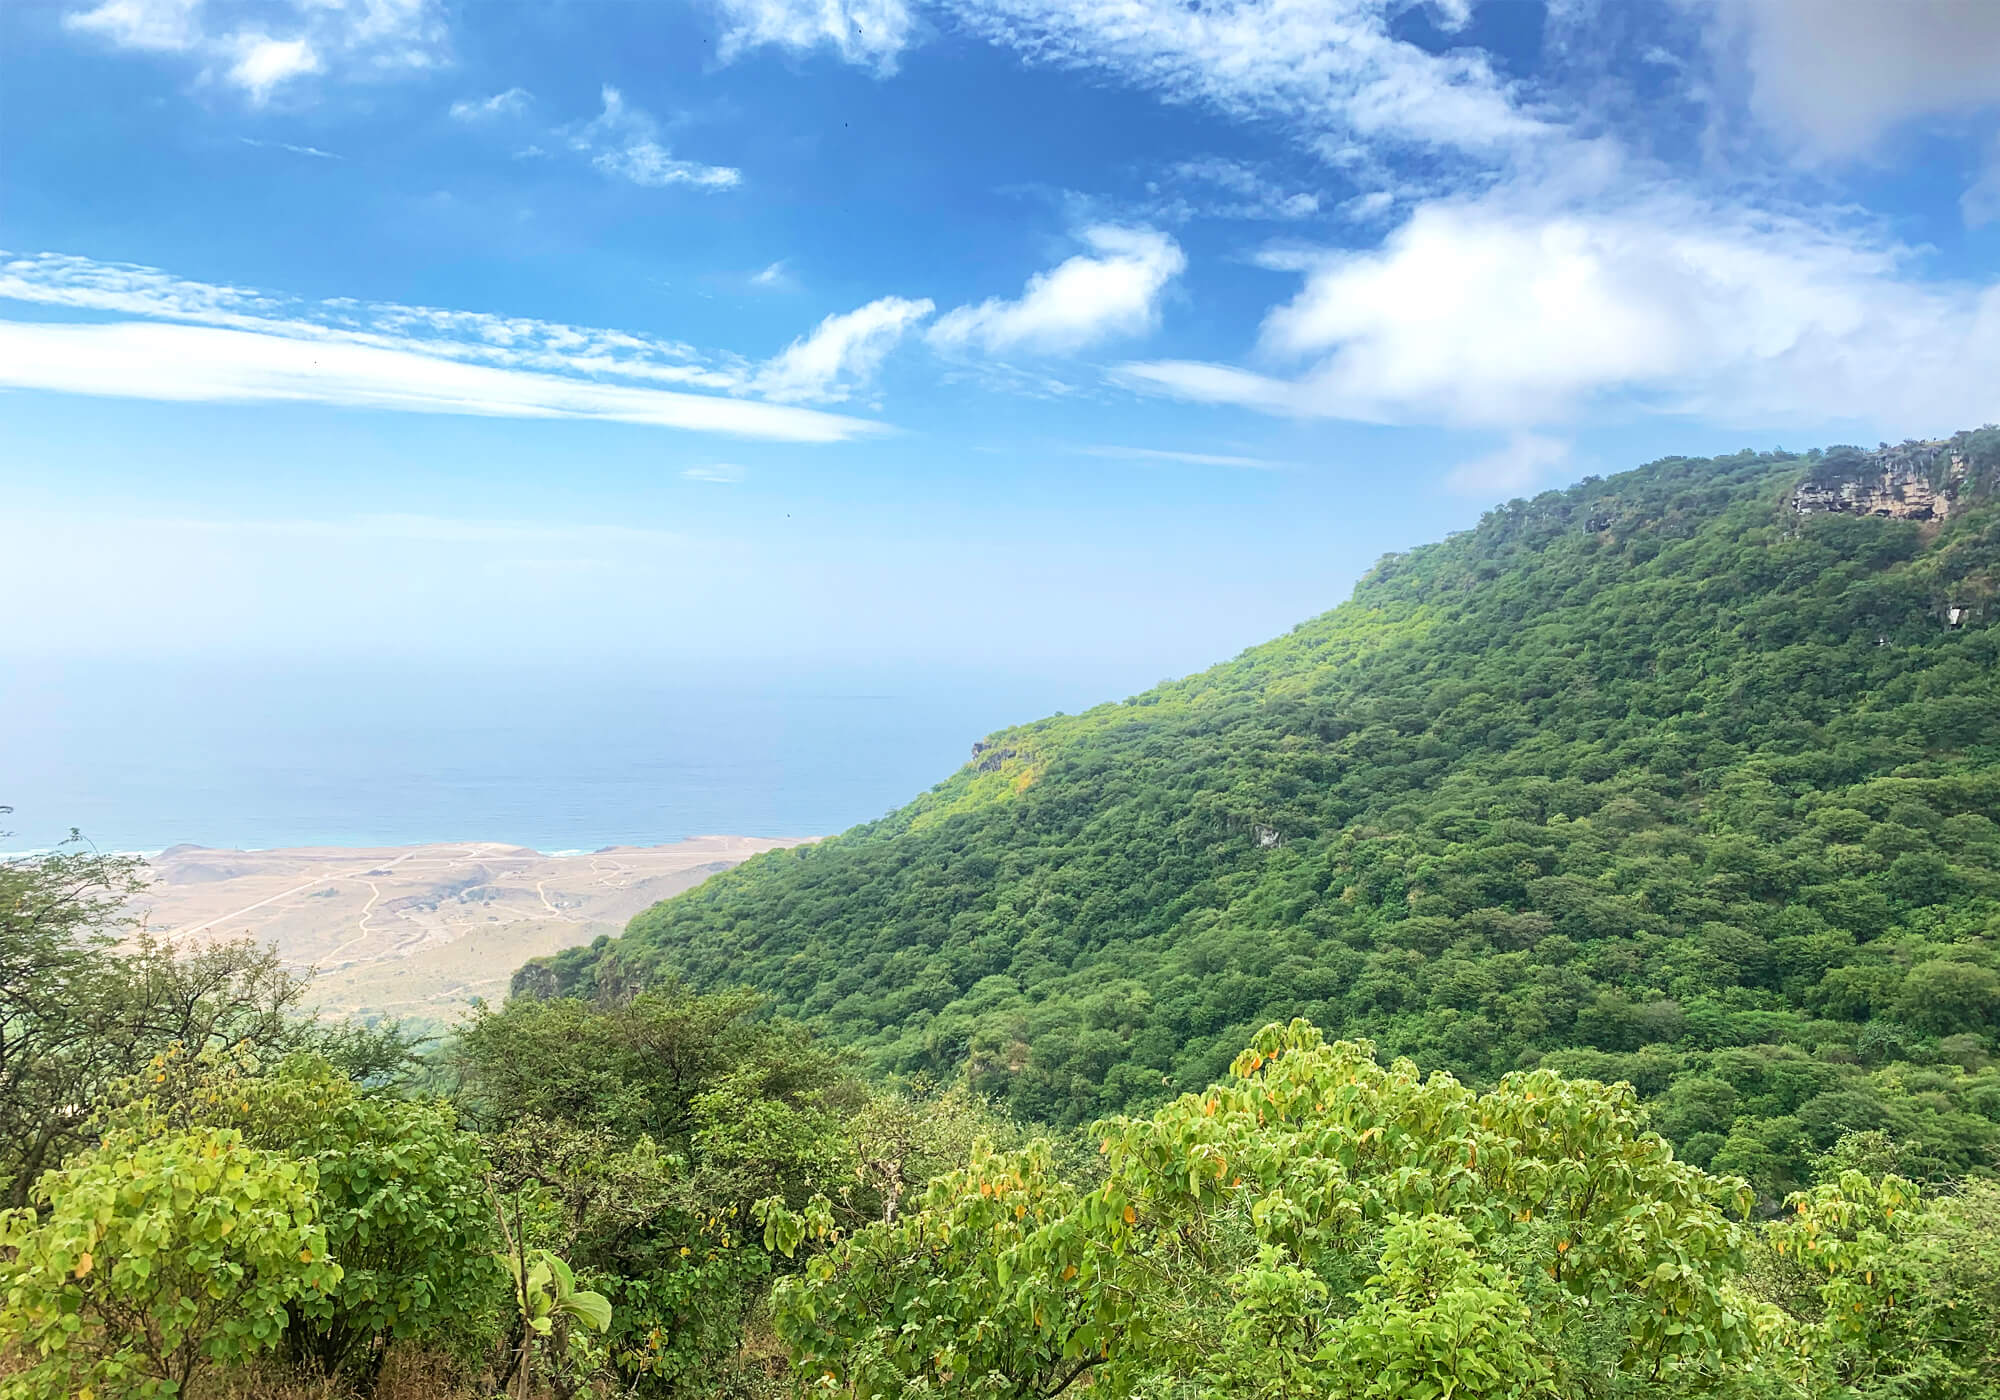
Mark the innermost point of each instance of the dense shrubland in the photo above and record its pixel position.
(1635, 851)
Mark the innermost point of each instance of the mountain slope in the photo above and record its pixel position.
(1686, 776)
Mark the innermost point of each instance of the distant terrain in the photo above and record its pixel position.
(421, 930)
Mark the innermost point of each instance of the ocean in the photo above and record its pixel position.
(139, 757)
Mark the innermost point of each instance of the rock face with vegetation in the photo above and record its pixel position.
(1665, 778)
(1916, 481)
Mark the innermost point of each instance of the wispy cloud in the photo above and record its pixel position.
(624, 143)
(1980, 204)
(1193, 459)
(842, 352)
(484, 109)
(315, 152)
(773, 278)
(1113, 290)
(1527, 458)
(153, 360)
(1245, 191)
(718, 473)
(261, 48)
(1329, 71)
(200, 341)
(510, 342)
(867, 33)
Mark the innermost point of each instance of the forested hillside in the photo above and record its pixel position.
(1684, 777)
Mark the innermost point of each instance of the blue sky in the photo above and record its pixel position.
(981, 331)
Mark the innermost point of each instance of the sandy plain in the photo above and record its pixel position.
(421, 931)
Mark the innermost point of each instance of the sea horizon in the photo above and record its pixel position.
(143, 756)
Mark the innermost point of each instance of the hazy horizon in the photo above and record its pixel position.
(141, 757)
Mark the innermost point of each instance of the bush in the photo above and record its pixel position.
(158, 1256)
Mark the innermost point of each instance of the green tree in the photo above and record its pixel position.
(1896, 1294)
(88, 999)
(152, 1257)
(400, 1191)
(1318, 1224)
(630, 1141)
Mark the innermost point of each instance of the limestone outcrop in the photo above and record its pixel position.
(1913, 481)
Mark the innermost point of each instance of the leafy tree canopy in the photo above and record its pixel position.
(1653, 779)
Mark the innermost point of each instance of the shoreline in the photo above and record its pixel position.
(420, 929)
(566, 853)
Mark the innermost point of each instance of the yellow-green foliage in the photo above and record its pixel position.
(159, 1255)
(1319, 1224)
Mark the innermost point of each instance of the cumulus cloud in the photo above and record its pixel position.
(1838, 77)
(262, 63)
(840, 353)
(1526, 459)
(1493, 311)
(261, 48)
(1113, 290)
(183, 340)
(867, 33)
(624, 143)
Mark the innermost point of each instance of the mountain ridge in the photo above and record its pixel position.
(1629, 779)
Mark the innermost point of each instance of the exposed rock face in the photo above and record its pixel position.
(1916, 481)
(994, 757)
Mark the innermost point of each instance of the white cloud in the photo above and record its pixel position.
(623, 142)
(511, 342)
(261, 48)
(253, 346)
(773, 277)
(262, 63)
(315, 152)
(1330, 70)
(867, 33)
(1114, 290)
(157, 26)
(840, 352)
(1194, 459)
(1256, 196)
(647, 163)
(500, 104)
(1498, 311)
(1366, 208)
(1839, 76)
(1526, 459)
(719, 473)
(153, 360)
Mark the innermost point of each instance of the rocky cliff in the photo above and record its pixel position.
(1912, 481)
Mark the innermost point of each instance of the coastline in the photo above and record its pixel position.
(420, 930)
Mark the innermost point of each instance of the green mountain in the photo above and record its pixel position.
(1685, 776)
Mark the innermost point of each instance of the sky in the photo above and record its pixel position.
(980, 332)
